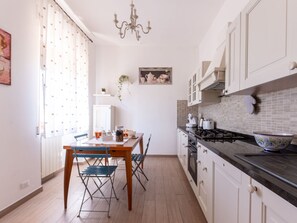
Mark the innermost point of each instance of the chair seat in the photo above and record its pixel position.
(99, 170)
(137, 157)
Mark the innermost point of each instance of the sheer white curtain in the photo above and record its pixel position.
(64, 65)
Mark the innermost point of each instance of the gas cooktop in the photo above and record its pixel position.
(217, 135)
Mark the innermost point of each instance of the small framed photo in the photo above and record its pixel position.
(155, 75)
(5, 57)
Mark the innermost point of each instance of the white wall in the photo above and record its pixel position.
(20, 151)
(148, 108)
(217, 31)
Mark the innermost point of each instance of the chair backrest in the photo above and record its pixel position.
(84, 154)
(81, 136)
(147, 145)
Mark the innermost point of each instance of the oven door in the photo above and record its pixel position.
(192, 163)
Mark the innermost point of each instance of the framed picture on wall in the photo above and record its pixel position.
(5, 57)
(155, 75)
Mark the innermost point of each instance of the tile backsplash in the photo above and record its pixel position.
(183, 110)
(276, 112)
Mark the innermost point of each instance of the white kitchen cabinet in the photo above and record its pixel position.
(230, 193)
(268, 207)
(195, 95)
(194, 89)
(190, 101)
(182, 150)
(179, 145)
(103, 117)
(268, 48)
(204, 181)
(232, 74)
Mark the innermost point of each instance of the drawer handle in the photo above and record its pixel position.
(199, 162)
(205, 169)
(252, 188)
(204, 151)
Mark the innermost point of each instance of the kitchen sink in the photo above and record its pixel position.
(281, 166)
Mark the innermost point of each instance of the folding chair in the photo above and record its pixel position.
(97, 159)
(137, 160)
(99, 174)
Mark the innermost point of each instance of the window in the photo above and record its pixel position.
(64, 69)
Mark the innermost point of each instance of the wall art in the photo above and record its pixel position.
(155, 75)
(5, 57)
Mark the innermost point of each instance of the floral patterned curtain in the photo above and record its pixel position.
(64, 66)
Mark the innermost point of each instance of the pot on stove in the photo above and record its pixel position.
(208, 124)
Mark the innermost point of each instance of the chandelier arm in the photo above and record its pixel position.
(145, 32)
(122, 25)
(123, 34)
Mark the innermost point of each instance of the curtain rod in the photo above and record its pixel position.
(73, 21)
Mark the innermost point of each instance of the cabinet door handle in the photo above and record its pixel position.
(201, 182)
(293, 65)
(205, 169)
(252, 188)
(205, 151)
(199, 162)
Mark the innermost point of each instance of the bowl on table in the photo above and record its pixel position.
(273, 141)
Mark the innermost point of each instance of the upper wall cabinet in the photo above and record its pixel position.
(195, 94)
(268, 47)
(190, 100)
(232, 74)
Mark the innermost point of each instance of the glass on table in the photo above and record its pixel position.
(98, 134)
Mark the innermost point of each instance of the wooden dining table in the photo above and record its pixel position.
(116, 150)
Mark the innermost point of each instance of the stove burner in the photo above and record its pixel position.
(217, 135)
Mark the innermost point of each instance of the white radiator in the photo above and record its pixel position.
(51, 152)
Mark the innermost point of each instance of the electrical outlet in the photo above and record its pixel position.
(24, 184)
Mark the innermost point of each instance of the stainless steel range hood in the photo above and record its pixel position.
(214, 77)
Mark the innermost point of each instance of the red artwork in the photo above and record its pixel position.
(5, 58)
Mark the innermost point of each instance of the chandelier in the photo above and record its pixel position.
(132, 25)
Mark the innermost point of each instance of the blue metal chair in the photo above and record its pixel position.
(138, 160)
(100, 175)
(98, 159)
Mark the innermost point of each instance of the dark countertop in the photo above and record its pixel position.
(228, 152)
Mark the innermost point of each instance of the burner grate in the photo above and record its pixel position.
(217, 135)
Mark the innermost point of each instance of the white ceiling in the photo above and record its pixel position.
(173, 22)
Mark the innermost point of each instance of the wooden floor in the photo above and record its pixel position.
(169, 198)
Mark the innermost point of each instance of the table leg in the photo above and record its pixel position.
(141, 148)
(67, 174)
(128, 162)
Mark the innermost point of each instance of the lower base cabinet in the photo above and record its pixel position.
(204, 180)
(230, 194)
(182, 150)
(268, 207)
